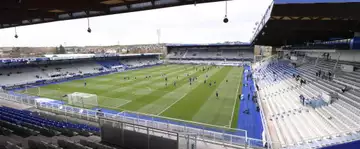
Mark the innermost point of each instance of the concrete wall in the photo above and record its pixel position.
(266, 50)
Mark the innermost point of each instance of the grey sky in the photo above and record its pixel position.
(185, 24)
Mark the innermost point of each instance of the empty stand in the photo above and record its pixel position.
(295, 124)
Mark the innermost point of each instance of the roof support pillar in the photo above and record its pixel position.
(304, 58)
(317, 59)
(337, 61)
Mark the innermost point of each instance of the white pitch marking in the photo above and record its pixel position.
(172, 104)
(149, 88)
(237, 92)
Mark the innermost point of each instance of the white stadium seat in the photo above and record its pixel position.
(295, 123)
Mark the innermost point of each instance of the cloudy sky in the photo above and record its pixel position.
(184, 24)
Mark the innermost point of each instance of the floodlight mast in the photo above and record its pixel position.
(16, 36)
(226, 20)
(89, 29)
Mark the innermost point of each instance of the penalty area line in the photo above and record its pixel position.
(128, 101)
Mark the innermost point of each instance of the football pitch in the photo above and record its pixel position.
(174, 98)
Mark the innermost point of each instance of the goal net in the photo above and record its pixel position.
(82, 100)
(32, 90)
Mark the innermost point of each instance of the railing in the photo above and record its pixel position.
(185, 141)
(263, 120)
(211, 134)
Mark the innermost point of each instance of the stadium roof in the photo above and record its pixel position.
(25, 12)
(210, 45)
(289, 22)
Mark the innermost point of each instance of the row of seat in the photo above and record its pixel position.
(34, 144)
(17, 129)
(66, 144)
(31, 74)
(9, 145)
(294, 123)
(5, 131)
(46, 126)
(209, 54)
(95, 145)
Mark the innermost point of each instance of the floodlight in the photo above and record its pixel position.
(16, 36)
(226, 20)
(89, 29)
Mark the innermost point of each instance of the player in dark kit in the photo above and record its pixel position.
(85, 83)
(217, 94)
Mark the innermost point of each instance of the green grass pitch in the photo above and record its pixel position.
(196, 102)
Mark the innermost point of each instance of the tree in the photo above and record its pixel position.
(61, 50)
(56, 50)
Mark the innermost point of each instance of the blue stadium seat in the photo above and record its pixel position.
(26, 118)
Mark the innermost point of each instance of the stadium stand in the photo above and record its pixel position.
(207, 54)
(110, 63)
(220, 54)
(314, 121)
(308, 89)
(21, 74)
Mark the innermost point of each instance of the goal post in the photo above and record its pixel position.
(84, 100)
(32, 90)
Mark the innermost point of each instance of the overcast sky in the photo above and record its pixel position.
(185, 24)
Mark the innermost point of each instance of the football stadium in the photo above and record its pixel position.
(293, 86)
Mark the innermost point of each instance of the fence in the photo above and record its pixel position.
(124, 134)
(267, 137)
(227, 137)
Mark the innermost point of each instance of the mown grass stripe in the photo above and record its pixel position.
(166, 101)
(144, 100)
(218, 110)
(192, 102)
